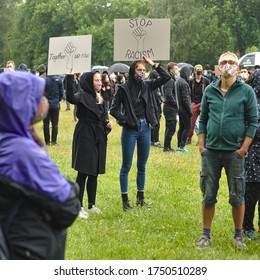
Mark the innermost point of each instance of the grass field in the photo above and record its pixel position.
(170, 230)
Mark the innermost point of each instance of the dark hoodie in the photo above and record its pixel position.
(183, 91)
(127, 94)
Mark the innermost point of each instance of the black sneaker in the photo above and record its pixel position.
(141, 202)
(127, 206)
(167, 150)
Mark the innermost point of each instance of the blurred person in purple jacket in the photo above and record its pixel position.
(37, 203)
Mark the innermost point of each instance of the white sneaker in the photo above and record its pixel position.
(95, 210)
(83, 214)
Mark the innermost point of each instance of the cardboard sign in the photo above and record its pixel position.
(134, 38)
(69, 52)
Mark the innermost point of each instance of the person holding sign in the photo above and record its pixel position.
(89, 145)
(136, 118)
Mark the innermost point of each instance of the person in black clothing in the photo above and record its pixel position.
(197, 85)
(54, 93)
(158, 99)
(252, 166)
(184, 108)
(136, 118)
(170, 107)
(89, 145)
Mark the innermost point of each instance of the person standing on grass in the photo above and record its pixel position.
(89, 145)
(170, 106)
(136, 118)
(198, 84)
(228, 121)
(252, 193)
(37, 203)
(184, 108)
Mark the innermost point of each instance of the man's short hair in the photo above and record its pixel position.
(170, 65)
(198, 65)
(228, 53)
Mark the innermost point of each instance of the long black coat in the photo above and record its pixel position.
(90, 139)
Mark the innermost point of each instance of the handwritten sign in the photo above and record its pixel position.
(69, 52)
(134, 38)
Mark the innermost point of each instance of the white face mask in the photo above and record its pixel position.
(244, 76)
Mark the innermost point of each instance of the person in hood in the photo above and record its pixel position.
(184, 108)
(89, 146)
(136, 118)
(227, 126)
(37, 203)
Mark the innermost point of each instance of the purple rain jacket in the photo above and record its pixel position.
(50, 202)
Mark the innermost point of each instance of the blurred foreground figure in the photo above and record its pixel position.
(37, 203)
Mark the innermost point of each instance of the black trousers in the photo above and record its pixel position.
(252, 196)
(53, 117)
(184, 129)
(170, 125)
(91, 187)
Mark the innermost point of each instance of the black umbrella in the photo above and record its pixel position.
(180, 65)
(119, 67)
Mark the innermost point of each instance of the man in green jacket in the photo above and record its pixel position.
(228, 122)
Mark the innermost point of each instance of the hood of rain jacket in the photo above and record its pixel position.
(21, 158)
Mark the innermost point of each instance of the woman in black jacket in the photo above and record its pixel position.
(137, 116)
(89, 145)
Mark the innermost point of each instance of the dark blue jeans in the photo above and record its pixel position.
(129, 139)
(212, 164)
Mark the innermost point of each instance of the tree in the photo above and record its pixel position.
(195, 37)
(8, 13)
(241, 19)
(38, 20)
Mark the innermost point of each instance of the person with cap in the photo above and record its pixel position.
(22, 67)
(41, 69)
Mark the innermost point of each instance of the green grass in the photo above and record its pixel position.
(170, 229)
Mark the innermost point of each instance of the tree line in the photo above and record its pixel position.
(200, 29)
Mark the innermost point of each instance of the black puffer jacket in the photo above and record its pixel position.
(128, 118)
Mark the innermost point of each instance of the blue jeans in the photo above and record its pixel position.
(128, 140)
(212, 164)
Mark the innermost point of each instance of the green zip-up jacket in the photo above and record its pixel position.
(226, 120)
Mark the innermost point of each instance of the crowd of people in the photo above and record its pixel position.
(227, 109)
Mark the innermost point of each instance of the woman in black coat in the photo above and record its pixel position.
(90, 136)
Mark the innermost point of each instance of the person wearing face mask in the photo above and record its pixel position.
(136, 118)
(170, 106)
(244, 74)
(37, 203)
(89, 146)
(10, 65)
(228, 122)
(197, 85)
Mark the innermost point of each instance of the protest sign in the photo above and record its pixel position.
(69, 52)
(134, 38)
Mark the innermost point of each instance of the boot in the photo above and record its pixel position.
(126, 203)
(140, 200)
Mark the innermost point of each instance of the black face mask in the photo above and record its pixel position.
(199, 72)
